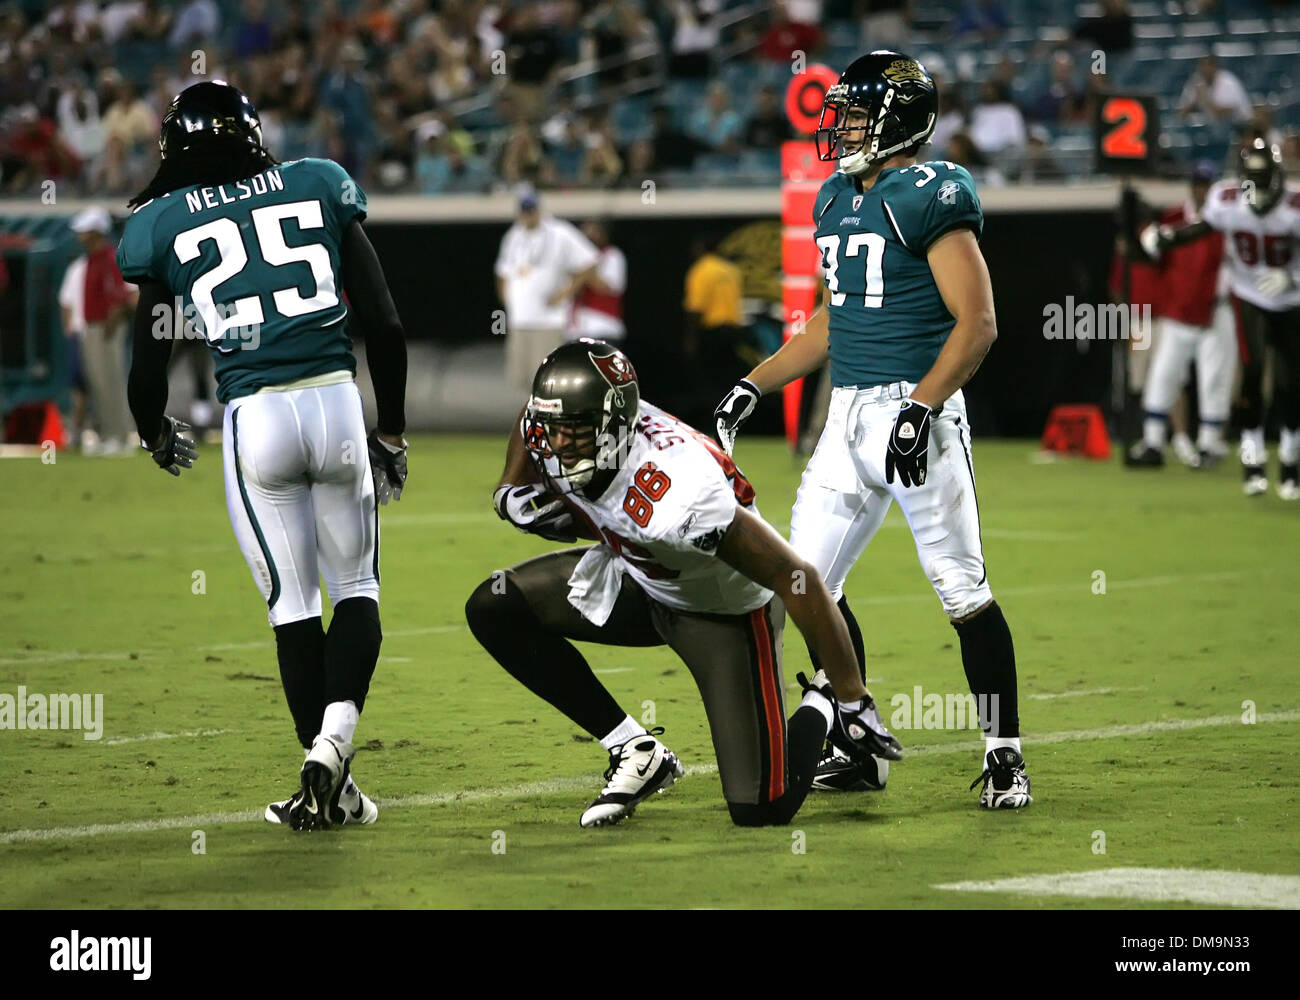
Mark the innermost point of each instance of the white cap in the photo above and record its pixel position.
(92, 220)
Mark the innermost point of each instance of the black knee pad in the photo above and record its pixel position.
(351, 650)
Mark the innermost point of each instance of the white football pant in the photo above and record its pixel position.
(1176, 345)
(301, 498)
(843, 497)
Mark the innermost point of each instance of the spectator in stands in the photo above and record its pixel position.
(32, 152)
(982, 18)
(153, 22)
(885, 24)
(566, 150)
(716, 123)
(79, 121)
(768, 127)
(601, 164)
(795, 28)
(130, 137)
(196, 21)
(346, 90)
(533, 59)
(543, 261)
(522, 158)
(253, 32)
(1216, 92)
(598, 305)
(695, 36)
(952, 116)
(671, 148)
(106, 305)
(996, 125)
(1112, 31)
(1063, 100)
(1039, 165)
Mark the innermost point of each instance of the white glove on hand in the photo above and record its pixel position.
(734, 410)
(518, 505)
(1273, 281)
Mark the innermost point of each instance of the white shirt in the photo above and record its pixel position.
(669, 545)
(1254, 243)
(535, 264)
(994, 127)
(72, 296)
(587, 322)
(1226, 91)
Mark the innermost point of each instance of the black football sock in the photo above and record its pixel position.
(548, 665)
(855, 637)
(989, 658)
(351, 650)
(300, 648)
(805, 736)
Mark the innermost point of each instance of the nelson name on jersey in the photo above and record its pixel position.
(887, 319)
(200, 199)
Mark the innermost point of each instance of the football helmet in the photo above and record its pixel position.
(578, 423)
(206, 111)
(884, 103)
(1262, 173)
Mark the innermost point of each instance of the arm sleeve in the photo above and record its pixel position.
(1212, 210)
(146, 386)
(580, 252)
(372, 305)
(135, 251)
(942, 204)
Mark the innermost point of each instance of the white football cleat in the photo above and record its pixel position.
(1006, 785)
(323, 775)
(1186, 451)
(1289, 486)
(357, 806)
(637, 769)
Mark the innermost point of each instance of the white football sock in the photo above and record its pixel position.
(628, 729)
(1210, 436)
(340, 720)
(1252, 444)
(1288, 450)
(1153, 433)
(992, 743)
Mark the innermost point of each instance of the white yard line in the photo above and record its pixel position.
(1159, 885)
(588, 782)
(143, 737)
(1049, 695)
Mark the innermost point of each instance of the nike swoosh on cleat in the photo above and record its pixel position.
(360, 809)
(642, 770)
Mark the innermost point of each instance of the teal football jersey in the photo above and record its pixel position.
(887, 318)
(255, 269)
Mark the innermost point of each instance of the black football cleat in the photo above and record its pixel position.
(1145, 457)
(836, 772)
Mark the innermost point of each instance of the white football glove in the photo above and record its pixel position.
(734, 410)
(519, 506)
(1272, 281)
(1154, 239)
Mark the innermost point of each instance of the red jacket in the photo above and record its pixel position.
(105, 289)
(1190, 273)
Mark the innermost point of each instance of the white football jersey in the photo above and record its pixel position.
(1257, 242)
(662, 519)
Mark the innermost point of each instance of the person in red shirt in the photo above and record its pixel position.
(1195, 324)
(107, 302)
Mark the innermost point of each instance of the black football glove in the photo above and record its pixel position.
(519, 505)
(734, 410)
(388, 467)
(175, 450)
(909, 444)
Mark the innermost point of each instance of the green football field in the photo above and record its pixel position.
(1161, 716)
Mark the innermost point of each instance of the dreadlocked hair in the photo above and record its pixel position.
(207, 160)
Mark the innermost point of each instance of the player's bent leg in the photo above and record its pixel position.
(523, 618)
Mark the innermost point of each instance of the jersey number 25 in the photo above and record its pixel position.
(247, 312)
